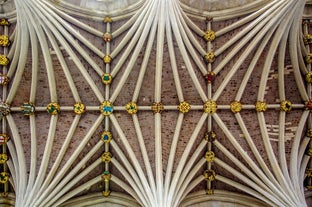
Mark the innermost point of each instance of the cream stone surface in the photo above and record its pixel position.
(158, 155)
(105, 5)
(215, 5)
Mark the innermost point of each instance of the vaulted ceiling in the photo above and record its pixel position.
(157, 103)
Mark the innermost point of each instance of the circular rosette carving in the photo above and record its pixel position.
(309, 133)
(4, 177)
(308, 77)
(28, 109)
(210, 155)
(184, 107)
(79, 108)
(308, 58)
(53, 108)
(209, 175)
(4, 41)
(261, 106)
(4, 60)
(236, 106)
(107, 78)
(210, 36)
(132, 108)
(107, 59)
(106, 157)
(107, 37)
(210, 136)
(3, 158)
(4, 22)
(286, 106)
(106, 136)
(106, 108)
(4, 79)
(157, 107)
(209, 57)
(307, 39)
(210, 107)
(4, 109)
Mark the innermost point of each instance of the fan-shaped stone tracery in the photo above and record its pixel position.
(178, 108)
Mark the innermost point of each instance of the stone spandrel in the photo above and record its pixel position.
(215, 5)
(103, 5)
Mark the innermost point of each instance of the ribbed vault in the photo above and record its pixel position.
(157, 103)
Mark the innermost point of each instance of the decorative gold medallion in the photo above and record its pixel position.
(4, 41)
(4, 22)
(79, 108)
(4, 60)
(132, 108)
(3, 158)
(210, 136)
(209, 57)
(106, 108)
(261, 106)
(307, 39)
(184, 107)
(210, 36)
(4, 79)
(309, 133)
(308, 58)
(106, 157)
(210, 155)
(209, 191)
(53, 108)
(4, 177)
(308, 77)
(107, 78)
(107, 19)
(236, 107)
(106, 136)
(286, 106)
(209, 175)
(157, 107)
(210, 107)
(107, 59)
